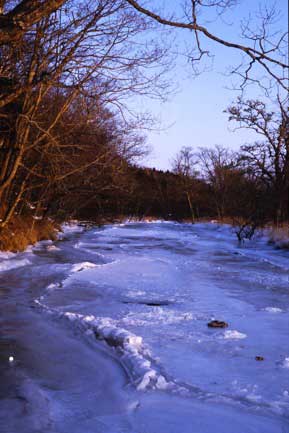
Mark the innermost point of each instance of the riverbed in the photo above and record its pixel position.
(105, 330)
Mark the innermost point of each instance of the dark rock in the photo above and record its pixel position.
(259, 358)
(149, 303)
(157, 304)
(217, 324)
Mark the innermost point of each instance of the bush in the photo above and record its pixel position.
(23, 231)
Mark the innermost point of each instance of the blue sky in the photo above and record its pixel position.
(194, 115)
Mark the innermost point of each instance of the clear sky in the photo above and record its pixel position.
(194, 115)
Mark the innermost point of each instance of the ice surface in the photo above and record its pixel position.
(72, 227)
(234, 335)
(273, 309)
(144, 293)
(5, 265)
(133, 354)
(52, 248)
(6, 255)
(82, 266)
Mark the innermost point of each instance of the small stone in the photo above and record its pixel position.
(259, 358)
(217, 324)
(11, 358)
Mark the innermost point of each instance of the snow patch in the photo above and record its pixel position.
(233, 335)
(286, 362)
(53, 286)
(6, 255)
(273, 310)
(157, 316)
(6, 265)
(134, 355)
(69, 228)
(72, 226)
(84, 246)
(82, 266)
(52, 248)
(133, 293)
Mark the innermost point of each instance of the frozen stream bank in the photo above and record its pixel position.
(108, 330)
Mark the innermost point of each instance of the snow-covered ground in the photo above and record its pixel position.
(108, 332)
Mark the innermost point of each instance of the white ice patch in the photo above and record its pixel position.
(255, 398)
(8, 264)
(85, 246)
(233, 335)
(162, 383)
(136, 293)
(273, 310)
(38, 246)
(70, 227)
(82, 266)
(134, 355)
(149, 221)
(6, 255)
(157, 316)
(53, 286)
(52, 248)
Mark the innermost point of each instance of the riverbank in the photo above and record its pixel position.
(22, 232)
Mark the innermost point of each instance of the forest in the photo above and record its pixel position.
(70, 147)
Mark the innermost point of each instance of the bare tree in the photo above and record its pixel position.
(264, 46)
(184, 165)
(98, 53)
(16, 19)
(217, 166)
(267, 159)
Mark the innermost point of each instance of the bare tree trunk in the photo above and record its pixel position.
(191, 207)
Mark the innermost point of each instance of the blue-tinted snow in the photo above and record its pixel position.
(143, 293)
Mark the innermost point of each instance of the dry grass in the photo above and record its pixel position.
(24, 231)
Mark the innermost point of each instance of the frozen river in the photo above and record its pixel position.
(108, 332)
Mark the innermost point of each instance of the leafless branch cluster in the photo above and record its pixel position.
(59, 59)
(264, 51)
(251, 185)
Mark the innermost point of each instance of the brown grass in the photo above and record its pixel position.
(24, 231)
